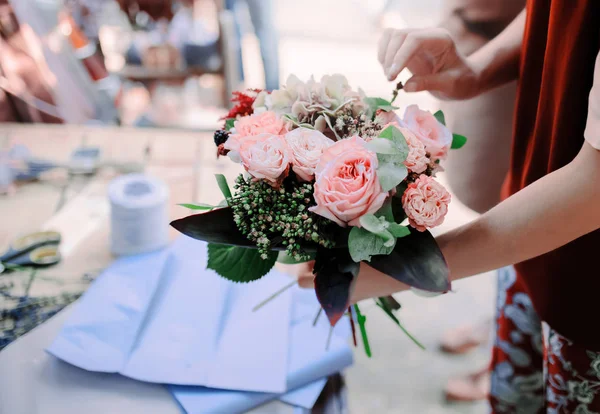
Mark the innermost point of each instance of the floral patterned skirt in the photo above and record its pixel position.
(534, 368)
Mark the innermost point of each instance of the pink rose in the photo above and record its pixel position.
(266, 156)
(307, 146)
(417, 159)
(388, 118)
(426, 203)
(346, 186)
(435, 136)
(250, 126)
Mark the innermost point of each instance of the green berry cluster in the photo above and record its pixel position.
(273, 217)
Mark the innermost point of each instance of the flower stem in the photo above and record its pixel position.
(274, 295)
(399, 86)
(361, 319)
(393, 317)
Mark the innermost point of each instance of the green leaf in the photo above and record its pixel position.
(229, 123)
(223, 186)
(393, 134)
(458, 141)
(363, 244)
(398, 231)
(389, 172)
(198, 206)
(383, 305)
(285, 258)
(439, 115)
(239, 264)
(383, 146)
(373, 224)
(380, 103)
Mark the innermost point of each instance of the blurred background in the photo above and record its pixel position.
(145, 83)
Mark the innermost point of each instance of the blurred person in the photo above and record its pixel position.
(476, 173)
(23, 84)
(545, 232)
(261, 15)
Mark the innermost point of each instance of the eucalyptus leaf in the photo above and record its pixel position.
(390, 173)
(398, 231)
(373, 224)
(380, 103)
(395, 135)
(441, 118)
(223, 186)
(383, 146)
(239, 264)
(362, 245)
(229, 123)
(458, 141)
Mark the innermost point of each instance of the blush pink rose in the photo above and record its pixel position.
(388, 118)
(250, 126)
(267, 157)
(426, 203)
(417, 159)
(435, 136)
(307, 146)
(346, 186)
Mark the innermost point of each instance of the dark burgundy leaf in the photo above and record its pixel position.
(416, 261)
(335, 273)
(217, 226)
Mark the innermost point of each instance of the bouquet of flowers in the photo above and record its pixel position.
(331, 176)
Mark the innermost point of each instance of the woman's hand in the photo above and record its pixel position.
(432, 57)
(370, 283)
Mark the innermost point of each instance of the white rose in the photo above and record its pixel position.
(307, 146)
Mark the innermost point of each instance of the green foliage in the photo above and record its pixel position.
(229, 123)
(361, 319)
(380, 103)
(458, 141)
(239, 264)
(223, 186)
(391, 170)
(285, 258)
(439, 115)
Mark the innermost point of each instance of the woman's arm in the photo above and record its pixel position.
(551, 212)
(497, 63)
(545, 215)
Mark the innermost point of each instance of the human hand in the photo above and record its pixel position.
(370, 283)
(432, 57)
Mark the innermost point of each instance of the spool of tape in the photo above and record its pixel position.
(139, 219)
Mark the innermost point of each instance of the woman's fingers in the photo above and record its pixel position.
(383, 44)
(404, 45)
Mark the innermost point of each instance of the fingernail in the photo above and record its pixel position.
(392, 70)
(410, 87)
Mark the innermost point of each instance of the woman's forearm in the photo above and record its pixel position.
(547, 214)
(497, 63)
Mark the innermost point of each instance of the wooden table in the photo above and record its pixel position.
(77, 207)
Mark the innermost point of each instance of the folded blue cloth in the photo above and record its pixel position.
(162, 317)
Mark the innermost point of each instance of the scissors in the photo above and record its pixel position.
(37, 249)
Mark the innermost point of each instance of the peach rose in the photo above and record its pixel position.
(426, 203)
(250, 126)
(266, 156)
(417, 159)
(435, 136)
(307, 146)
(388, 118)
(346, 186)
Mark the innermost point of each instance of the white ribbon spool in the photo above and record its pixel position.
(139, 219)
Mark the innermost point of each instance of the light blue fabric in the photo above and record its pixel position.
(162, 317)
